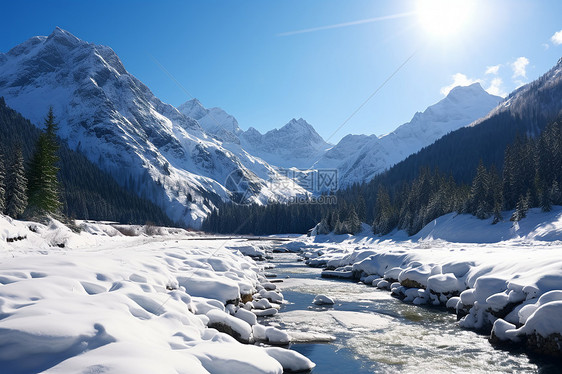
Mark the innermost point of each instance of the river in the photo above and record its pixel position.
(376, 333)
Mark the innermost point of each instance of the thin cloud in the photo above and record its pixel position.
(493, 69)
(556, 39)
(545, 46)
(459, 79)
(495, 88)
(519, 67)
(346, 24)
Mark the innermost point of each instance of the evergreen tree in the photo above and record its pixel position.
(385, 214)
(521, 209)
(497, 213)
(546, 204)
(43, 187)
(554, 193)
(2, 185)
(352, 223)
(16, 186)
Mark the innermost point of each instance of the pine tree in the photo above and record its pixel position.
(352, 223)
(16, 186)
(546, 204)
(2, 185)
(497, 213)
(521, 209)
(478, 203)
(554, 193)
(385, 215)
(43, 187)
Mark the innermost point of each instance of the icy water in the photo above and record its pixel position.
(376, 333)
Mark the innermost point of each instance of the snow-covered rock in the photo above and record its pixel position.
(246, 316)
(270, 334)
(235, 327)
(323, 300)
(290, 361)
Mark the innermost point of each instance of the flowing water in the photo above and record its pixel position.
(376, 333)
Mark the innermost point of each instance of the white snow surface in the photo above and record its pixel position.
(118, 304)
(117, 123)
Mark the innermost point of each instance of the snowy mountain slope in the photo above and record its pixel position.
(540, 98)
(296, 144)
(360, 157)
(116, 121)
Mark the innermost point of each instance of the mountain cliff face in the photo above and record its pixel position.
(358, 158)
(114, 119)
(296, 144)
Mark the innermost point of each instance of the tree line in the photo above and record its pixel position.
(82, 191)
(37, 191)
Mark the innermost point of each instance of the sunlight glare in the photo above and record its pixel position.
(443, 18)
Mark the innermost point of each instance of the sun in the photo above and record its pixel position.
(444, 18)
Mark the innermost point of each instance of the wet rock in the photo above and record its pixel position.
(549, 346)
(408, 283)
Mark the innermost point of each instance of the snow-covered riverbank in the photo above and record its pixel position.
(512, 287)
(101, 301)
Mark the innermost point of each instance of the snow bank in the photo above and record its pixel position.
(254, 251)
(506, 276)
(105, 302)
(289, 360)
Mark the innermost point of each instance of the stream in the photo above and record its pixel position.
(376, 333)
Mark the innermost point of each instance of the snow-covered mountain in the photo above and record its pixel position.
(215, 121)
(116, 121)
(356, 157)
(296, 144)
(360, 157)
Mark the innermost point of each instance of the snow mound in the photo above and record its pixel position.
(323, 300)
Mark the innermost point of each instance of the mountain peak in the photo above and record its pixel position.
(298, 123)
(474, 88)
(63, 37)
(193, 108)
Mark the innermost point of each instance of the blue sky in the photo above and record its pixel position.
(245, 58)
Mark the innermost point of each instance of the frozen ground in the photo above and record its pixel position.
(101, 301)
(506, 276)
